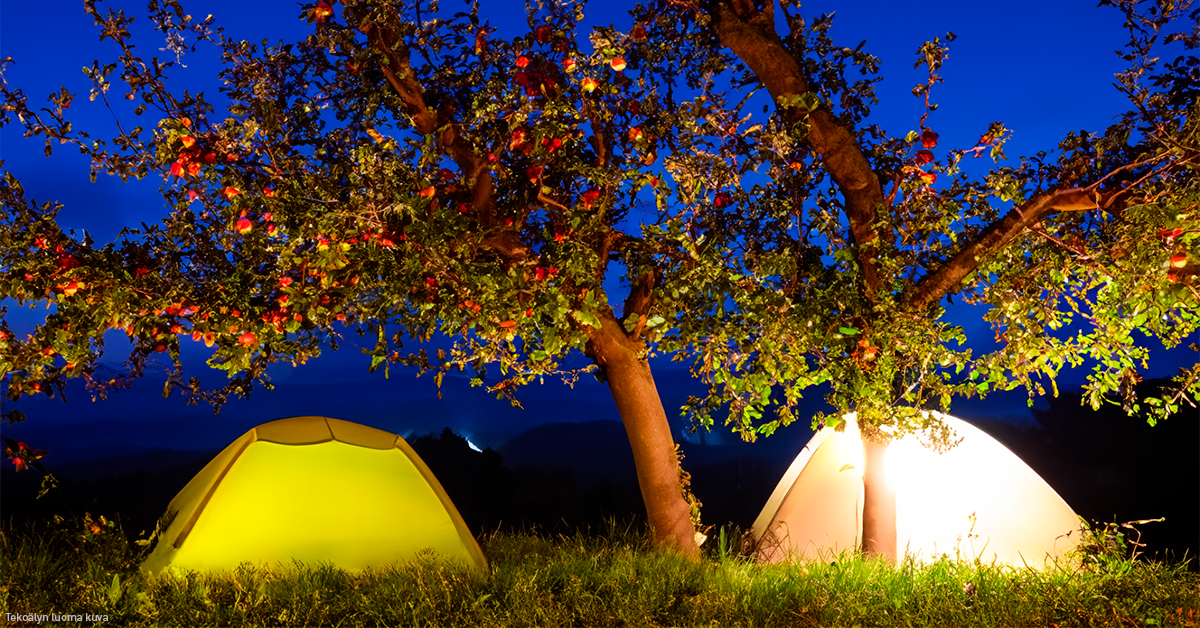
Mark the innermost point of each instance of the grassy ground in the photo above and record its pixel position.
(607, 579)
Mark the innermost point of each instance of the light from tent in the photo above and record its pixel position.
(850, 447)
(942, 498)
(976, 501)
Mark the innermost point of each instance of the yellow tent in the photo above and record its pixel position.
(316, 490)
(977, 500)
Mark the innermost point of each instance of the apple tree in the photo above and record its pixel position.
(405, 173)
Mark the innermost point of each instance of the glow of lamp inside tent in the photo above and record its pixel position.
(940, 498)
(851, 446)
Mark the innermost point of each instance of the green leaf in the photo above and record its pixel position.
(114, 590)
(376, 360)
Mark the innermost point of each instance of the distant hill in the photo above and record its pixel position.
(592, 451)
(153, 460)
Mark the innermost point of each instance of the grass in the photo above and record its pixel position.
(608, 579)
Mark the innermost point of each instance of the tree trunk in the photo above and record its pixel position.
(641, 410)
(879, 504)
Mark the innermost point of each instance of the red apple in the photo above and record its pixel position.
(518, 140)
(322, 11)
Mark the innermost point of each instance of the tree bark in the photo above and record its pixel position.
(879, 504)
(641, 410)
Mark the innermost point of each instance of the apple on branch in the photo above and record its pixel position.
(929, 139)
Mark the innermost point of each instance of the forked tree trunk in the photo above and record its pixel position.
(641, 409)
(879, 504)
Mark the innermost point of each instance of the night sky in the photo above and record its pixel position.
(1016, 62)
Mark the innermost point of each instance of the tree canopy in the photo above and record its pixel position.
(403, 172)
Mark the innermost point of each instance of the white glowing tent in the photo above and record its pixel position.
(977, 500)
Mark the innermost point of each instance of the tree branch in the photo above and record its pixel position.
(599, 137)
(641, 296)
(998, 234)
(995, 236)
(427, 121)
(750, 33)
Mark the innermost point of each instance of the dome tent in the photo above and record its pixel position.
(316, 490)
(977, 500)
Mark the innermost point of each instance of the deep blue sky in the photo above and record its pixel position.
(1014, 61)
